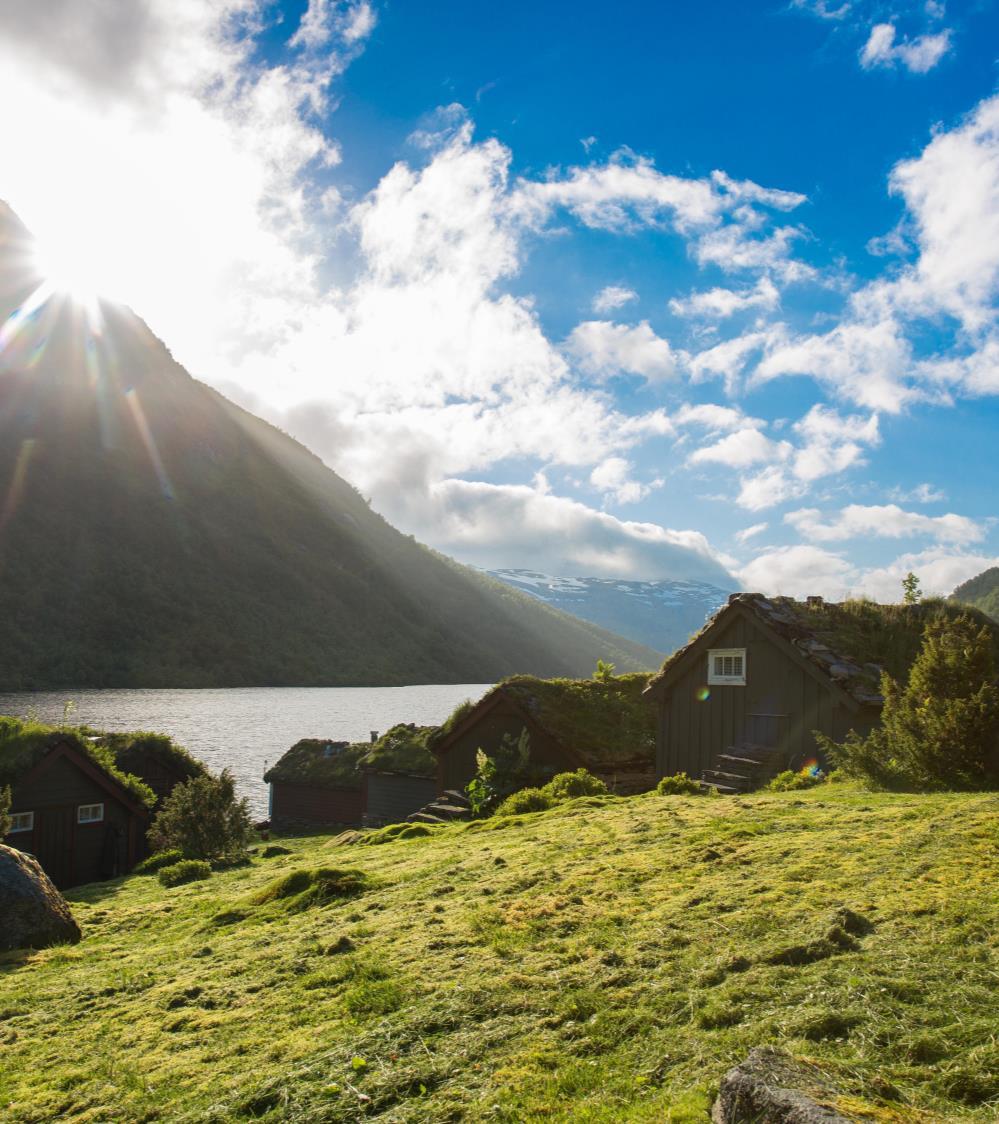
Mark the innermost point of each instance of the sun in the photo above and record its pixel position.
(76, 268)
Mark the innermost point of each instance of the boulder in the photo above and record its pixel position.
(769, 1087)
(33, 914)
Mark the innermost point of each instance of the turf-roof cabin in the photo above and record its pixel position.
(154, 759)
(743, 698)
(604, 726)
(71, 807)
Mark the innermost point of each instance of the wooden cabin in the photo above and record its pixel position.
(400, 774)
(317, 785)
(742, 699)
(155, 760)
(602, 726)
(74, 815)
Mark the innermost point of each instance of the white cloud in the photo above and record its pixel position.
(922, 493)
(603, 349)
(720, 303)
(799, 571)
(939, 572)
(741, 449)
(750, 532)
(325, 20)
(884, 521)
(917, 55)
(613, 477)
(715, 418)
(612, 297)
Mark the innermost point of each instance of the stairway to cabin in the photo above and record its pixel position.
(742, 768)
(450, 805)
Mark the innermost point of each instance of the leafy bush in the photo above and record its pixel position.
(4, 811)
(158, 861)
(567, 786)
(497, 776)
(790, 781)
(187, 870)
(203, 818)
(679, 785)
(941, 730)
(526, 800)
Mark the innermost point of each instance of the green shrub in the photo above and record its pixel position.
(567, 786)
(941, 730)
(496, 777)
(187, 870)
(790, 781)
(301, 889)
(203, 818)
(526, 800)
(158, 861)
(679, 785)
(4, 811)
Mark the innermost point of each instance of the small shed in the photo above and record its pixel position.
(75, 812)
(400, 774)
(742, 699)
(317, 785)
(602, 725)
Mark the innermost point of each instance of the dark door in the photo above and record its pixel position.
(54, 843)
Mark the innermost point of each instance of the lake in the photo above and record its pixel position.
(246, 729)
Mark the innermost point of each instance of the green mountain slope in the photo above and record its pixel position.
(152, 533)
(603, 962)
(981, 591)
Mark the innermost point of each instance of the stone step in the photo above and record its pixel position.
(447, 811)
(723, 789)
(739, 761)
(455, 797)
(425, 817)
(736, 780)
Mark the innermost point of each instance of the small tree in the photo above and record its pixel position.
(604, 672)
(203, 818)
(941, 730)
(4, 811)
(911, 593)
(497, 776)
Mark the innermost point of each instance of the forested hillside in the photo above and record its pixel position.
(152, 533)
(981, 591)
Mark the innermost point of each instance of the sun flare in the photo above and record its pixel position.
(76, 269)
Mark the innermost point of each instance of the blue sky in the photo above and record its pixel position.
(640, 290)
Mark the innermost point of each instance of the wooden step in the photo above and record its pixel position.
(750, 763)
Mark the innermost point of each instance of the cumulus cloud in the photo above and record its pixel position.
(917, 55)
(719, 303)
(602, 349)
(883, 521)
(613, 477)
(922, 493)
(741, 449)
(750, 532)
(799, 571)
(613, 297)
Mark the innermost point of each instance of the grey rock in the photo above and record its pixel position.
(769, 1087)
(33, 914)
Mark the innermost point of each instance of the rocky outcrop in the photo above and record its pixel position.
(33, 914)
(769, 1087)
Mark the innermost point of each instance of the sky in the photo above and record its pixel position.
(637, 290)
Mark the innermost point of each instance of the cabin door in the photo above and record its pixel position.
(54, 843)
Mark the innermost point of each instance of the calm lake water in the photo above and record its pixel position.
(246, 729)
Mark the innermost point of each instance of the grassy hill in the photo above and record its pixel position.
(981, 591)
(153, 534)
(604, 961)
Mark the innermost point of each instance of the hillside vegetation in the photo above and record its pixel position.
(603, 961)
(154, 534)
(981, 591)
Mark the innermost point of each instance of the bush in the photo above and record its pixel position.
(203, 819)
(567, 786)
(942, 729)
(679, 785)
(498, 776)
(790, 781)
(187, 870)
(158, 861)
(4, 811)
(527, 800)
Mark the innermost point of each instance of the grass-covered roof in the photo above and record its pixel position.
(851, 641)
(605, 721)
(23, 743)
(333, 764)
(133, 750)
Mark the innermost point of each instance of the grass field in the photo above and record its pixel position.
(604, 961)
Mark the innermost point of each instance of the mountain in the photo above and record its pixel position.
(154, 534)
(981, 591)
(660, 614)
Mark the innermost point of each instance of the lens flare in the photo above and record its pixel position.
(147, 439)
(812, 767)
(702, 694)
(16, 489)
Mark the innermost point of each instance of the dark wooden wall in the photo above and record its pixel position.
(391, 797)
(72, 853)
(456, 767)
(781, 704)
(301, 807)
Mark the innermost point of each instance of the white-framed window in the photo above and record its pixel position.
(22, 821)
(727, 666)
(90, 813)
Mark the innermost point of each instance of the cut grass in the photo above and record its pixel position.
(606, 960)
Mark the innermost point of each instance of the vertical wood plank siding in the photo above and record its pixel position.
(795, 703)
(391, 797)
